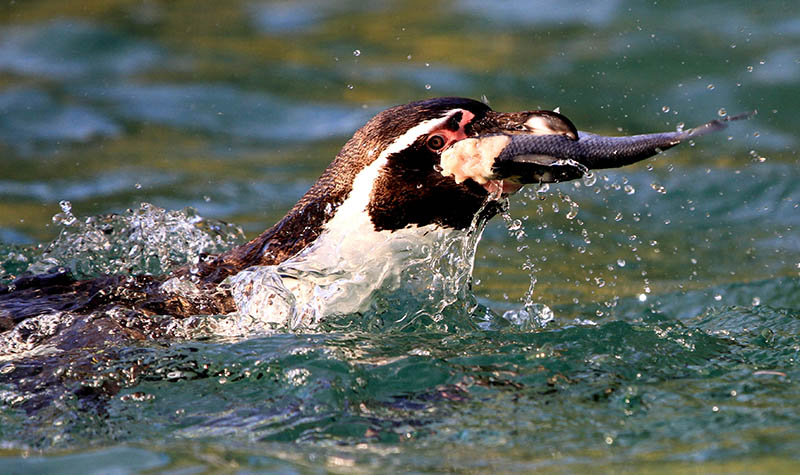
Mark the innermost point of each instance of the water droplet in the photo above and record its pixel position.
(642, 297)
(138, 186)
(589, 179)
(680, 127)
(621, 262)
(629, 189)
(659, 188)
(573, 211)
(710, 87)
(749, 69)
(357, 52)
(618, 217)
(428, 86)
(722, 112)
(665, 109)
(718, 297)
(756, 301)
(350, 86)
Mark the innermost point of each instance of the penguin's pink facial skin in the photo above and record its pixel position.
(473, 158)
(450, 134)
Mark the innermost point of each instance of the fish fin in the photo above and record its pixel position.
(544, 122)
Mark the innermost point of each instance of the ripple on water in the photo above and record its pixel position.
(226, 110)
(30, 116)
(73, 48)
(543, 12)
(101, 185)
(301, 16)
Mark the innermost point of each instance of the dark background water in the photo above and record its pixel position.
(682, 273)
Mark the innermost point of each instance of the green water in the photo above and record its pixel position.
(675, 289)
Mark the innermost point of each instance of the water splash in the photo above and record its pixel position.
(424, 283)
(146, 240)
(532, 315)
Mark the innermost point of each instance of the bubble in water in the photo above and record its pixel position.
(428, 86)
(756, 301)
(629, 189)
(710, 87)
(722, 112)
(718, 297)
(618, 217)
(621, 262)
(357, 52)
(589, 179)
(350, 86)
(749, 69)
(680, 127)
(138, 186)
(665, 109)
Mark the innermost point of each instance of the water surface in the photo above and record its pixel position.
(674, 289)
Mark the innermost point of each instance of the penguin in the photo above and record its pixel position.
(412, 176)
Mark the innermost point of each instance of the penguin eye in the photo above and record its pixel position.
(435, 142)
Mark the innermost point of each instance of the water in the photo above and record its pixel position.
(683, 358)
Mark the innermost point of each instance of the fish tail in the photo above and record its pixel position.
(715, 125)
